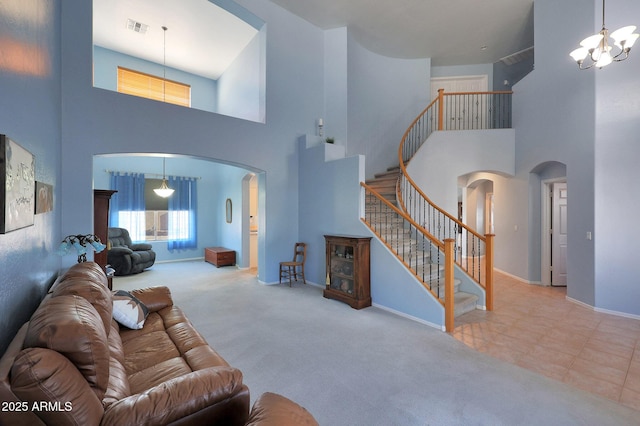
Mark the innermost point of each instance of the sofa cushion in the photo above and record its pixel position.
(128, 310)
(154, 298)
(70, 325)
(118, 387)
(87, 280)
(147, 350)
(42, 377)
(272, 409)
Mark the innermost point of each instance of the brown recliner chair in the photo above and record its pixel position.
(124, 256)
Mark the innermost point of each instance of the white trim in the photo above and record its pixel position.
(545, 241)
(617, 313)
(191, 259)
(602, 310)
(578, 302)
(409, 317)
(515, 277)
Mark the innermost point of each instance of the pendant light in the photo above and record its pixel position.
(164, 191)
(164, 63)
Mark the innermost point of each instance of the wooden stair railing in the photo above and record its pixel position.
(490, 110)
(431, 261)
(446, 239)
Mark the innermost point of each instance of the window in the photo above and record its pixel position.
(148, 86)
(156, 212)
(148, 217)
(156, 225)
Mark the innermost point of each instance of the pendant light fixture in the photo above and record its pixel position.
(164, 191)
(597, 51)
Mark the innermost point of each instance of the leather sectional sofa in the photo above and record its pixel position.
(72, 363)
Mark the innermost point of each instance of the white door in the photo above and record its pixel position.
(463, 113)
(559, 235)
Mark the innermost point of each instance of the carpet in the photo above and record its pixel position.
(362, 367)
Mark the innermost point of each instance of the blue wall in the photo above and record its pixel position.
(617, 149)
(384, 96)
(554, 119)
(106, 62)
(30, 115)
(241, 89)
(94, 125)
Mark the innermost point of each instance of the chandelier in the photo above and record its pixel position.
(597, 51)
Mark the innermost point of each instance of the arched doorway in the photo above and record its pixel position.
(217, 181)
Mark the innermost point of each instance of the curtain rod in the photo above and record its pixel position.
(153, 175)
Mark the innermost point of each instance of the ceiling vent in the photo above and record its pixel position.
(136, 26)
(514, 58)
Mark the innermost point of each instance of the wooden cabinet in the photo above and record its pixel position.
(101, 201)
(348, 270)
(220, 256)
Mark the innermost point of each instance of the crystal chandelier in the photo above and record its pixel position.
(597, 51)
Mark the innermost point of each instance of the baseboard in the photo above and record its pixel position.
(617, 313)
(602, 310)
(409, 317)
(191, 259)
(578, 302)
(517, 278)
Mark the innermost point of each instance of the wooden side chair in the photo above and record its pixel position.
(296, 266)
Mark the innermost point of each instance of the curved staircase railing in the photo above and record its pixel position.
(430, 230)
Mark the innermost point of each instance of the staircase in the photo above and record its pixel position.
(441, 251)
(392, 230)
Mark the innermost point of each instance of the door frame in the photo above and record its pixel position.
(546, 206)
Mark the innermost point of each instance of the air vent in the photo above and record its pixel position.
(514, 58)
(136, 26)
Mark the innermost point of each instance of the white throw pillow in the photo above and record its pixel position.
(128, 310)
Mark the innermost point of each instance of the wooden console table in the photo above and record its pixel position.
(220, 256)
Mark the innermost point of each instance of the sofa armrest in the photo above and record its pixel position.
(141, 247)
(120, 250)
(176, 398)
(154, 298)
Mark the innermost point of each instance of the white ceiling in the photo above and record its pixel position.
(450, 32)
(197, 39)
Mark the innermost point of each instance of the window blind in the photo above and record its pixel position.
(151, 87)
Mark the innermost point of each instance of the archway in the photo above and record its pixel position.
(217, 181)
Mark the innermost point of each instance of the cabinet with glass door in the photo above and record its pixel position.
(348, 270)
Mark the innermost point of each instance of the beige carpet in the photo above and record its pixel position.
(366, 367)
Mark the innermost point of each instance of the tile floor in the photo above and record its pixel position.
(538, 329)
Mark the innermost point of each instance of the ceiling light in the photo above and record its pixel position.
(597, 50)
(164, 191)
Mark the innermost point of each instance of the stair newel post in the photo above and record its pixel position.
(449, 306)
(440, 108)
(489, 270)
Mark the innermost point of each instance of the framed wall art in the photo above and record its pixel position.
(17, 186)
(44, 197)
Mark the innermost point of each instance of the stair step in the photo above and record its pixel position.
(439, 290)
(429, 272)
(388, 174)
(464, 302)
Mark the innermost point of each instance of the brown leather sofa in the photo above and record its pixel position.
(73, 364)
